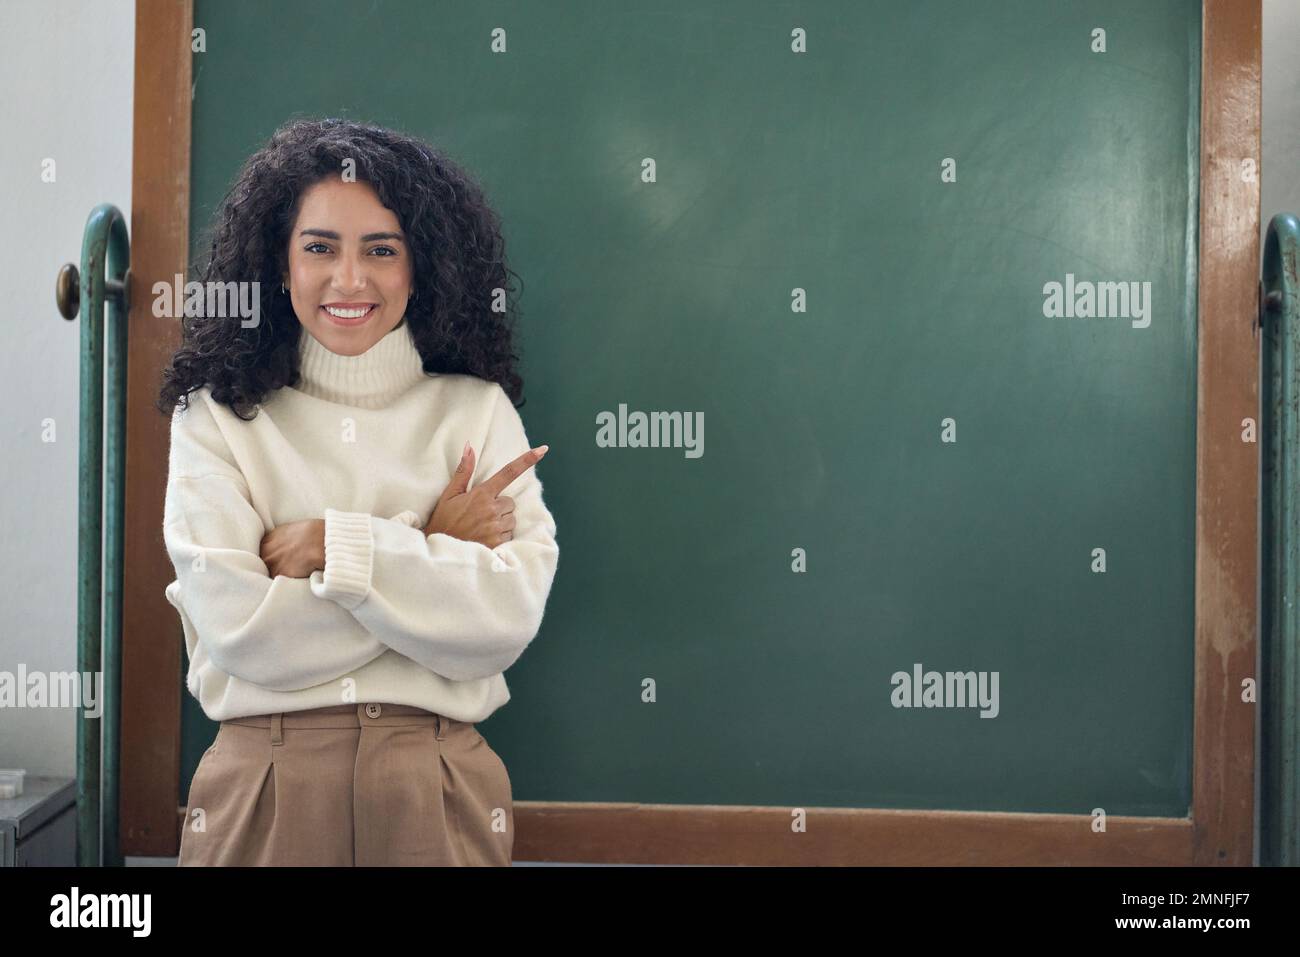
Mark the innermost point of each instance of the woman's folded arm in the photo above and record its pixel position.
(272, 632)
(458, 608)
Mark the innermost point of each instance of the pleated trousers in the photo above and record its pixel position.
(367, 785)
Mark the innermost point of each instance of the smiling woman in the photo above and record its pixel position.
(349, 283)
(331, 535)
(311, 238)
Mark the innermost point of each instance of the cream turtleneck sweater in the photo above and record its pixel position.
(368, 443)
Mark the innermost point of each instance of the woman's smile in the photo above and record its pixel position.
(348, 313)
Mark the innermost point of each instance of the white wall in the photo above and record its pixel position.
(1280, 180)
(66, 67)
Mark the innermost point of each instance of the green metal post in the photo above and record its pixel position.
(105, 256)
(1280, 545)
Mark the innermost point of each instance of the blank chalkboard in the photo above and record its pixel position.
(824, 235)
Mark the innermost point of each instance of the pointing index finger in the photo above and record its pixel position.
(512, 470)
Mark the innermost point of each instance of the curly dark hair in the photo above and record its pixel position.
(458, 262)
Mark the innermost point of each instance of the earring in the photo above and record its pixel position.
(282, 289)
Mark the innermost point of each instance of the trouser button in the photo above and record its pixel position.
(373, 710)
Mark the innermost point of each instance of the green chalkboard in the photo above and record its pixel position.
(905, 459)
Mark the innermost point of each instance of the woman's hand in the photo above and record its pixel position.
(295, 549)
(483, 515)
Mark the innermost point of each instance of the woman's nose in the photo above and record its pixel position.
(350, 276)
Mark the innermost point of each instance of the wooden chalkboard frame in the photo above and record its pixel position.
(1220, 827)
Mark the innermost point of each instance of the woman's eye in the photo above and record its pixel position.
(388, 250)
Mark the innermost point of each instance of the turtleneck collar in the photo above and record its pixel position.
(371, 380)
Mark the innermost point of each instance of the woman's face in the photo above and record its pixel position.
(349, 266)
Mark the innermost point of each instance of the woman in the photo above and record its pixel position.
(349, 598)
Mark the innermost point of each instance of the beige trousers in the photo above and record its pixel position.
(352, 785)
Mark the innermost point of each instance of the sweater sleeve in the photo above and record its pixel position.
(458, 608)
(273, 633)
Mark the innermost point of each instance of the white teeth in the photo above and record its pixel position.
(348, 313)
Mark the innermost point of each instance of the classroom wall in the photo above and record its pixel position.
(67, 72)
(1280, 182)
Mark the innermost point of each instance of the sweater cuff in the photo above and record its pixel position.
(349, 558)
